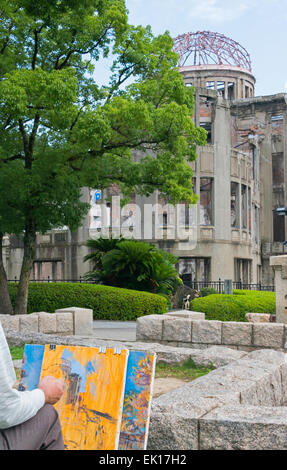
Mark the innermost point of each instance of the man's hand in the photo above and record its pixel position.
(52, 388)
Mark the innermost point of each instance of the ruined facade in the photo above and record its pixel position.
(239, 176)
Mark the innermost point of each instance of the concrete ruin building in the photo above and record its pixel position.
(239, 176)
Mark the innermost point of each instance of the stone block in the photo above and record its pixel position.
(83, 320)
(37, 313)
(266, 391)
(258, 317)
(283, 371)
(186, 314)
(10, 322)
(244, 428)
(178, 356)
(173, 427)
(266, 356)
(247, 348)
(249, 396)
(217, 356)
(279, 264)
(149, 327)
(268, 335)
(172, 343)
(65, 323)
(206, 331)
(172, 431)
(194, 346)
(273, 390)
(47, 322)
(177, 329)
(236, 333)
(263, 368)
(28, 323)
(210, 386)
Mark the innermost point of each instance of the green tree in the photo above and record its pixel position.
(60, 130)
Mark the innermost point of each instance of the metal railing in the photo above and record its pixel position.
(197, 285)
(49, 279)
(219, 285)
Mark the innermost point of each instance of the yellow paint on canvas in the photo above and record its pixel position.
(91, 407)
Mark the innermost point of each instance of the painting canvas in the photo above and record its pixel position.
(91, 407)
(137, 393)
(137, 400)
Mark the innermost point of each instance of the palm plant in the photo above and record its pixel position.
(165, 278)
(139, 265)
(127, 264)
(99, 247)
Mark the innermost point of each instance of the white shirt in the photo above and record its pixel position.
(15, 407)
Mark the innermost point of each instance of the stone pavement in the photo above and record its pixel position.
(114, 330)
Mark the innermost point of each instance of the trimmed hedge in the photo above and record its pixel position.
(205, 291)
(226, 307)
(107, 303)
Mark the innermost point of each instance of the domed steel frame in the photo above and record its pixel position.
(208, 48)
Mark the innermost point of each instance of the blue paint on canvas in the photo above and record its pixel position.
(133, 365)
(77, 368)
(31, 366)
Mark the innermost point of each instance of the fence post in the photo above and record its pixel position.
(228, 286)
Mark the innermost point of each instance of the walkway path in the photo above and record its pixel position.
(114, 330)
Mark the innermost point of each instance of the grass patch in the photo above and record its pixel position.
(16, 353)
(186, 371)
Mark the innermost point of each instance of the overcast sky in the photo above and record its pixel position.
(258, 25)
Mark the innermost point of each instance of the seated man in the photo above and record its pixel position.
(28, 421)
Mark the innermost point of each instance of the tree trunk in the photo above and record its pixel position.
(26, 269)
(5, 301)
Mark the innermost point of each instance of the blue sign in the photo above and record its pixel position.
(98, 195)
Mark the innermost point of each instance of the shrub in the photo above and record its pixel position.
(227, 307)
(107, 303)
(133, 264)
(207, 291)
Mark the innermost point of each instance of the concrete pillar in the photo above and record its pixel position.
(226, 89)
(279, 264)
(222, 215)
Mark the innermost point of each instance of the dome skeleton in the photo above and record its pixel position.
(208, 48)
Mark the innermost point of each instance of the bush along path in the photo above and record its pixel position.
(107, 303)
(234, 307)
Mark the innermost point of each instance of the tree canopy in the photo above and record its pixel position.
(61, 130)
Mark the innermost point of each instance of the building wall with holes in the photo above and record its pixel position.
(239, 176)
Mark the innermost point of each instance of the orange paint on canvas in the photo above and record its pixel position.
(91, 407)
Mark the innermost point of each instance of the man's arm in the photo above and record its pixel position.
(17, 407)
